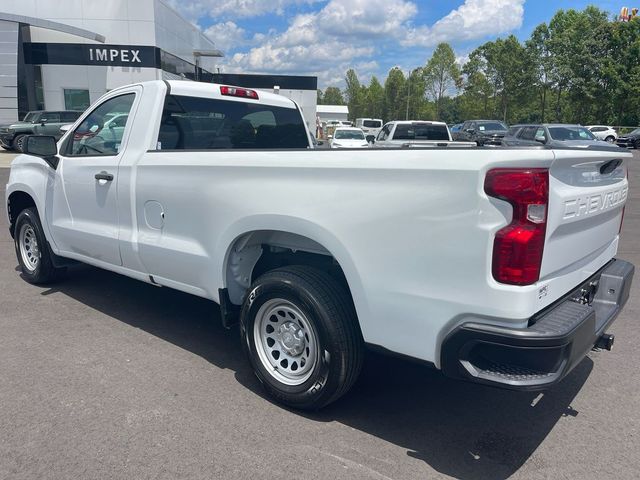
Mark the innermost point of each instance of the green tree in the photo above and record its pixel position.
(355, 94)
(333, 96)
(441, 74)
(416, 105)
(579, 44)
(505, 65)
(320, 97)
(543, 64)
(375, 99)
(395, 99)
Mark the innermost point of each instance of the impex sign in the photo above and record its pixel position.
(86, 54)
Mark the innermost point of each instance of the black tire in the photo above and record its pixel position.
(328, 308)
(610, 139)
(18, 143)
(44, 271)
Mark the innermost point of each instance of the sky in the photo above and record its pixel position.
(325, 38)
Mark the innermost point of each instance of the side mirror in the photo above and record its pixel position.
(320, 142)
(65, 128)
(329, 137)
(43, 146)
(371, 139)
(42, 122)
(470, 130)
(540, 140)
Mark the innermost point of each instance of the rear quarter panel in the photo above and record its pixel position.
(412, 231)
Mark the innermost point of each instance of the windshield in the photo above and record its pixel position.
(421, 131)
(493, 126)
(31, 117)
(348, 135)
(634, 132)
(564, 134)
(372, 123)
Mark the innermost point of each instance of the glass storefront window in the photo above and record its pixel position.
(76, 99)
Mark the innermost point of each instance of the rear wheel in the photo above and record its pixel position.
(32, 250)
(18, 143)
(300, 332)
(610, 139)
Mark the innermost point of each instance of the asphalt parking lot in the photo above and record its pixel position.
(106, 377)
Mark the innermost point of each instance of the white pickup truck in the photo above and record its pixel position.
(417, 133)
(493, 265)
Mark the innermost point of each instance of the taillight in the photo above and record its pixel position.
(518, 247)
(239, 92)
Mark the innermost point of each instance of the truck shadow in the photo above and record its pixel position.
(459, 429)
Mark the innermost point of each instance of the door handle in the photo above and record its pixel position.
(103, 176)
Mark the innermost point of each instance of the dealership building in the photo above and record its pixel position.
(63, 55)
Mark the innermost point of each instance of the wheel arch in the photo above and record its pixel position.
(244, 247)
(17, 201)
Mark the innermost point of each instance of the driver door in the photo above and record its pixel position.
(84, 210)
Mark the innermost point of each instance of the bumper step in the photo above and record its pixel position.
(555, 341)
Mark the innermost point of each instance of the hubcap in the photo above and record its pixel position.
(29, 250)
(286, 342)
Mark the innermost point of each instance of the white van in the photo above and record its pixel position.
(370, 126)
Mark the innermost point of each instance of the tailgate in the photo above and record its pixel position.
(587, 193)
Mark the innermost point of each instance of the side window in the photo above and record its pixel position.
(97, 135)
(50, 117)
(382, 134)
(69, 116)
(528, 133)
(193, 123)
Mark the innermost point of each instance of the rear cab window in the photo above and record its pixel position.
(195, 123)
(371, 123)
(421, 131)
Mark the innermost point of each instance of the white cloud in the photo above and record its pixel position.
(348, 33)
(336, 36)
(195, 9)
(473, 20)
(227, 35)
(365, 18)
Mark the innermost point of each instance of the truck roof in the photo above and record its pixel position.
(409, 122)
(212, 90)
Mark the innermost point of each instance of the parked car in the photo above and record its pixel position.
(455, 128)
(370, 126)
(602, 132)
(348, 137)
(416, 133)
(486, 264)
(553, 134)
(630, 140)
(482, 132)
(38, 122)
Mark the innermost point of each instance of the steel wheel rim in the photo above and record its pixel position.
(286, 342)
(29, 248)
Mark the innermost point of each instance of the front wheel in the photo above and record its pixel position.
(18, 143)
(300, 331)
(610, 139)
(32, 250)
